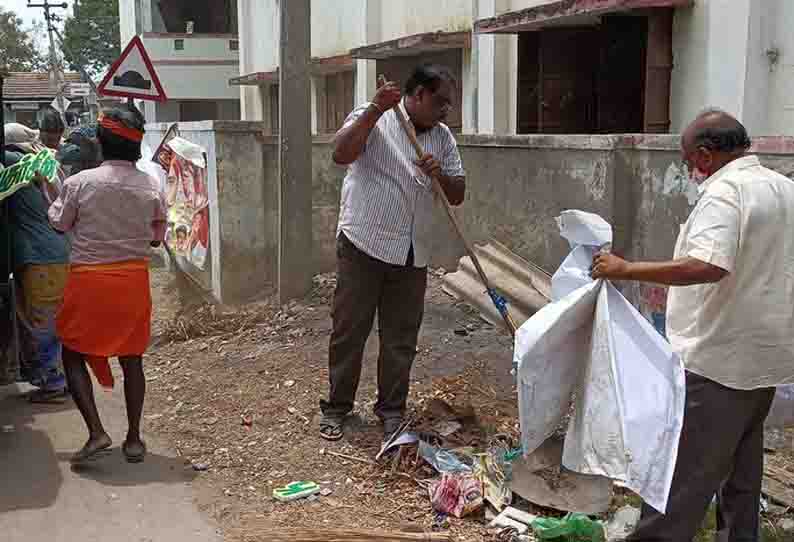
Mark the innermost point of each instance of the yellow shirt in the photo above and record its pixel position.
(739, 332)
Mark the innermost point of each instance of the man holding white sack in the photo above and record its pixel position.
(730, 318)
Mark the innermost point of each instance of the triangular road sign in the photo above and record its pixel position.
(56, 106)
(133, 76)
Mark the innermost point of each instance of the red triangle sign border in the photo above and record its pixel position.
(135, 42)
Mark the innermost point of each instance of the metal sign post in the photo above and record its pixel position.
(93, 94)
(55, 67)
(2, 119)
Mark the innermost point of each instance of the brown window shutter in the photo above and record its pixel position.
(658, 70)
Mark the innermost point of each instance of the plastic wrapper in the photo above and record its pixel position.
(571, 528)
(456, 495)
(442, 460)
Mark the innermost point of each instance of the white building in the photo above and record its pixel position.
(540, 66)
(195, 51)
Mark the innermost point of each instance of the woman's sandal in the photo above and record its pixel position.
(135, 452)
(92, 451)
(48, 397)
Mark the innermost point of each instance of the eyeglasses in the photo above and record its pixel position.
(441, 102)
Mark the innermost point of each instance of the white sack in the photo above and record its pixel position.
(782, 413)
(587, 234)
(630, 386)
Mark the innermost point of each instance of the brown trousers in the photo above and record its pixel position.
(721, 453)
(365, 286)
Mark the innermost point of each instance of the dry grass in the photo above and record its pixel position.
(252, 534)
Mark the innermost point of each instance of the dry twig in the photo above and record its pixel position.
(318, 535)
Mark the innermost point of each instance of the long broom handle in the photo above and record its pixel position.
(453, 218)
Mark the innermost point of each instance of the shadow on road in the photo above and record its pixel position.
(31, 477)
(113, 470)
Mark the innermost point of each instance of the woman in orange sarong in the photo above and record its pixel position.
(114, 215)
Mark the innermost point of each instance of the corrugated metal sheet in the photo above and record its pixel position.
(525, 286)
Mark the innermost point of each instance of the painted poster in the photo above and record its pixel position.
(187, 198)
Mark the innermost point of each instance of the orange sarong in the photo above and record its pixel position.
(106, 312)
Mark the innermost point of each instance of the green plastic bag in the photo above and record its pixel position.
(571, 528)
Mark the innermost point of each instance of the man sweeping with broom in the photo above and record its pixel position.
(385, 222)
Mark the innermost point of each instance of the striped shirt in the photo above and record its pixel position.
(387, 202)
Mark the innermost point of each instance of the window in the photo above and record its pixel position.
(593, 80)
(179, 45)
(336, 102)
(197, 110)
(207, 16)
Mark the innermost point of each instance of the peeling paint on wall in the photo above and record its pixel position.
(653, 305)
(677, 183)
(594, 178)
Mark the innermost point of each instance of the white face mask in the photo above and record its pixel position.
(697, 176)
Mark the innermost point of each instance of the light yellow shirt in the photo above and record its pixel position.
(739, 332)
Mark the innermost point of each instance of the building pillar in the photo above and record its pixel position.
(366, 80)
(496, 69)
(510, 88)
(146, 21)
(761, 117)
(470, 90)
(150, 111)
(728, 48)
(266, 113)
(484, 48)
(320, 123)
(295, 149)
(367, 70)
(316, 92)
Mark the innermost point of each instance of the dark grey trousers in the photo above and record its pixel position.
(721, 452)
(366, 286)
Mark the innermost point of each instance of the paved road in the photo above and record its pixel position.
(43, 500)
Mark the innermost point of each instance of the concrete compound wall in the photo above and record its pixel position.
(243, 207)
(517, 185)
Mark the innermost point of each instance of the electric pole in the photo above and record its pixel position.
(55, 66)
(86, 76)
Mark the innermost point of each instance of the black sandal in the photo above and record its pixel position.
(47, 397)
(134, 456)
(92, 451)
(331, 429)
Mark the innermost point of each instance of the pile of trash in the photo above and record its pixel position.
(588, 360)
(473, 473)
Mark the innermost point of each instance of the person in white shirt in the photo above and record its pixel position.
(731, 320)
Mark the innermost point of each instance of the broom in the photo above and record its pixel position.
(342, 535)
(185, 278)
(499, 302)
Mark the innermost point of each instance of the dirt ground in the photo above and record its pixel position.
(237, 395)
